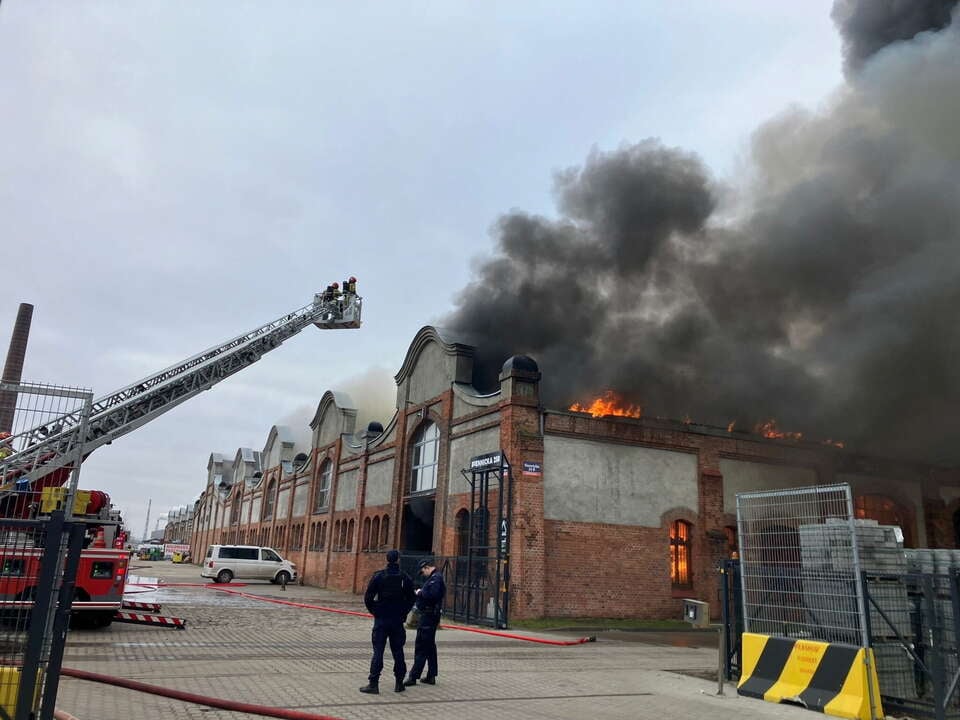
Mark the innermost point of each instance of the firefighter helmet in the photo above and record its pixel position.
(4, 435)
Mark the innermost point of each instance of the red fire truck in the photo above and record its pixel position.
(38, 462)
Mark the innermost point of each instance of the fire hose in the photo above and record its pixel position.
(263, 710)
(495, 633)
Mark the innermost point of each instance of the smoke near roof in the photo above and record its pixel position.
(868, 26)
(820, 289)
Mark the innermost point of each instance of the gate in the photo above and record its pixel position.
(479, 580)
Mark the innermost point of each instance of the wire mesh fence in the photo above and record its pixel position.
(800, 564)
(39, 549)
(35, 603)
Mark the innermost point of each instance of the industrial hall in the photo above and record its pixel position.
(546, 512)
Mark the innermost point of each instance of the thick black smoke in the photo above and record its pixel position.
(823, 290)
(867, 26)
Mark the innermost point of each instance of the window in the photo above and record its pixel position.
(322, 497)
(269, 555)
(323, 535)
(269, 500)
(375, 534)
(423, 463)
(680, 554)
(101, 570)
(732, 548)
(462, 530)
(365, 543)
(385, 531)
(12, 567)
(350, 529)
(235, 509)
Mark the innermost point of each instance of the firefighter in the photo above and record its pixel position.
(352, 284)
(6, 448)
(430, 606)
(389, 597)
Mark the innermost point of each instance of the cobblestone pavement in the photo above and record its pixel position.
(264, 653)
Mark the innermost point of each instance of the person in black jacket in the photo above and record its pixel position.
(389, 597)
(430, 606)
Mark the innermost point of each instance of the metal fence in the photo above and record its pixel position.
(35, 556)
(39, 547)
(801, 565)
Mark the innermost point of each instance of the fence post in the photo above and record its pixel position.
(934, 638)
(62, 619)
(40, 616)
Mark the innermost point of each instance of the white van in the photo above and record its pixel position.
(223, 563)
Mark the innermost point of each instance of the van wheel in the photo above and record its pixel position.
(283, 577)
(224, 576)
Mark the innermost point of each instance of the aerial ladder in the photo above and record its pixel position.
(44, 456)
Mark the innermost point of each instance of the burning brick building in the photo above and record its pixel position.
(611, 516)
(819, 288)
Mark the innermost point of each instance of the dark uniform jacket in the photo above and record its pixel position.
(430, 600)
(389, 595)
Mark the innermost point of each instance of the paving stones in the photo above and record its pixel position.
(263, 653)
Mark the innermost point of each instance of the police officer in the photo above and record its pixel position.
(429, 605)
(389, 597)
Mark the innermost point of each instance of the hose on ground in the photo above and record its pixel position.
(495, 633)
(262, 710)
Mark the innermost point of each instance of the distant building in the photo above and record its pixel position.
(611, 516)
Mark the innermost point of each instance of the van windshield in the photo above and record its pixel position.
(270, 555)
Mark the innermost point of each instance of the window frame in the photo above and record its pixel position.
(681, 555)
(419, 445)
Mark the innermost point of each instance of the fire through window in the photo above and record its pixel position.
(680, 554)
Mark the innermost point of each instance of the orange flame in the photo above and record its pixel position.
(608, 404)
(731, 425)
(769, 429)
(836, 443)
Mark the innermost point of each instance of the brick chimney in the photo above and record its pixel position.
(13, 368)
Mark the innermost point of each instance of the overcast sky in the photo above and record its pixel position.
(177, 173)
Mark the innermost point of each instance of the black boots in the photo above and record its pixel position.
(428, 680)
(373, 688)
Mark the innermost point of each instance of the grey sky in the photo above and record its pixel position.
(175, 174)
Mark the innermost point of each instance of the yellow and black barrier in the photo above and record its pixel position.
(828, 677)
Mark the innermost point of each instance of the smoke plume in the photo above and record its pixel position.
(821, 289)
(868, 26)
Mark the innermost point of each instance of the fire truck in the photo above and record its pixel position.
(36, 469)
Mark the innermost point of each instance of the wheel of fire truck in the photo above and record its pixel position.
(282, 578)
(224, 576)
(88, 619)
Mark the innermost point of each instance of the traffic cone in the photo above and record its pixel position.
(98, 541)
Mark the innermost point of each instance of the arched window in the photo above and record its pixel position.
(235, 507)
(423, 458)
(375, 534)
(335, 540)
(732, 542)
(342, 544)
(350, 529)
(885, 511)
(385, 531)
(323, 535)
(365, 543)
(269, 499)
(680, 556)
(322, 497)
(462, 529)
